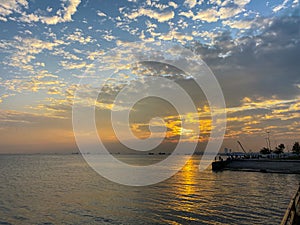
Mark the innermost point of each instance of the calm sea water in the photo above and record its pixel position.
(62, 189)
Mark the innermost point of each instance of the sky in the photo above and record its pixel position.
(251, 46)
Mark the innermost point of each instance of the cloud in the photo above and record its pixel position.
(205, 34)
(213, 15)
(71, 66)
(95, 54)
(53, 91)
(229, 12)
(66, 14)
(190, 3)
(23, 50)
(10, 117)
(13, 118)
(224, 55)
(238, 24)
(108, 37)
(182, 38)
(4, 96)
(281, 6)
(159, 16)
(101, 14)
(65, 54)
(22, 128)
(173, 4)
(188, 14)
(41, 79)
(16, 6)
(208, 15)
(261, 64)
(295, 3)
(241, 3)
(33, 84)
(78, 36)
(8, 7)
(257, 67)
(28, 18)
(255, 116)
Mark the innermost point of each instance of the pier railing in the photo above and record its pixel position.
(292, 214)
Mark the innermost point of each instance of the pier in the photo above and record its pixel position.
(259, 165)
(219, 165)
(292, 214)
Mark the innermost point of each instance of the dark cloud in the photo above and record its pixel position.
(266, 64)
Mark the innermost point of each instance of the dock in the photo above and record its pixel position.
(219, 165)
(292, 214)
(258, 165)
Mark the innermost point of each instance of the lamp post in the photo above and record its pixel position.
(267, 142)
(268, 138)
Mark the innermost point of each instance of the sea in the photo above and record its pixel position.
(63, 189)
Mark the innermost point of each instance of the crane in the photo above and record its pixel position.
(241, 146)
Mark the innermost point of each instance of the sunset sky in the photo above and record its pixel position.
(252, 47)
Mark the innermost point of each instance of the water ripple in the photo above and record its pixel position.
(57, 189)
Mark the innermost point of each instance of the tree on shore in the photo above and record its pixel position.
(265, 151)
(296, 148)
(279, 149)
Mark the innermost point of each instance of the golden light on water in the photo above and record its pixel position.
(188, 174)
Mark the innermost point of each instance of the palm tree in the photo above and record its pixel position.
(296, 148)
(279, 149)
(265, 151)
